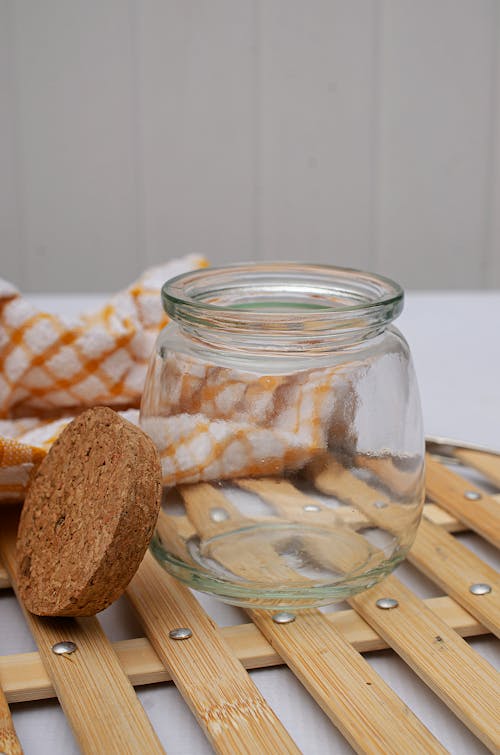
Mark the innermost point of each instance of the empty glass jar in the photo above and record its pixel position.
(284, 406)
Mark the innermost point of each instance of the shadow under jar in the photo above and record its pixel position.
(285, 410)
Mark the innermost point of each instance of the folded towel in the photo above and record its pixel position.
(52, 366)
(216, 423)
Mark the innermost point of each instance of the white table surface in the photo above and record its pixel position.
(455, 340)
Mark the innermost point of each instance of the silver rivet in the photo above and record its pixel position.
(380, 505)
(218, 515)
(472, 495)
(283, 617)
(64, 648)
(181, 633)
(312, 507)
(387, 603)
(480, 588)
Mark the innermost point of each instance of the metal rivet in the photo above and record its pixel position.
(480, 588)
(472, 495)
(387, 603)
(380, 504)
(64, 648)
(311, 507)
(181, 633)
(218, 515)
(283, 617)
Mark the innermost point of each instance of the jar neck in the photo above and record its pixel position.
(282, 307)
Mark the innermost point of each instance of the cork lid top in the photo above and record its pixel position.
(88, 517)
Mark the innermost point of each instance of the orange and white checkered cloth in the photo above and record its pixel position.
(216, 423)
(52, 366)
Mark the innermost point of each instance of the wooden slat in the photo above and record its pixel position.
(438, 516)
(352, 518)
(331, 478)
(97, 698)
(362, 706)
(343, 550)
(199, 499)
(447, 489)
(24, 678)
(443, 660)
(454, 568)
(23, 675)
(487, 464)
(227, 705)
(9, 743)
(289, 502)
(174, 532)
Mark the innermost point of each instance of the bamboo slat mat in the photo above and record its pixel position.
(95, 683)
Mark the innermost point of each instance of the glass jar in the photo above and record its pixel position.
(285, 410)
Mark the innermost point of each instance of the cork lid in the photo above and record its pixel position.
(88, 517)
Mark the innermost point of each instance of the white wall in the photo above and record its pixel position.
(357, 132)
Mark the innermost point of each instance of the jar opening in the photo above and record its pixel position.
(284, 299)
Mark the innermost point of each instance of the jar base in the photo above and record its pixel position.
(279, 566)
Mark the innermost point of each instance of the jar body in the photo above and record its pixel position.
(292, 478)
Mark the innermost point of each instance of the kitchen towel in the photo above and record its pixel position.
(51, 367)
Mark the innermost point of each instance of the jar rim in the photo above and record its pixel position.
(177, 290)
(283, 298)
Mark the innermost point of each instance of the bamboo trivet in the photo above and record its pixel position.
(405, 628)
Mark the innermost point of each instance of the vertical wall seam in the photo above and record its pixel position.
(136, 142)
(376, 136)
(492, 156)
(256, 135)
(18, 187)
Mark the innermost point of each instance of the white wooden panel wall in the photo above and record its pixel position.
(10, 222)
(435, 149)
(353, 132)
